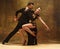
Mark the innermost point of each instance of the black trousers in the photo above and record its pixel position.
(13, 32)
(31, 39)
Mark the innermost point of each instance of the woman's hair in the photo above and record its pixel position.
(38, 9)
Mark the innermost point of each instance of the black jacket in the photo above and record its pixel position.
(26, 15)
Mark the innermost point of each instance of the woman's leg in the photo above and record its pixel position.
(22, 35)
(27, 27)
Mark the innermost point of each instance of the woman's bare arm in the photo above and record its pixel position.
(43, 22)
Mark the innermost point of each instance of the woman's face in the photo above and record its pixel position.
(37, 11)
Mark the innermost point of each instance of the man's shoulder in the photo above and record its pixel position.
(22, 8)
(32, 11)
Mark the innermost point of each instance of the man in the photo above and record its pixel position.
(23, 19)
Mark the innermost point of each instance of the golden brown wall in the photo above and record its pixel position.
(48, 13)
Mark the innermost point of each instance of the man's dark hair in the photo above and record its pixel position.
(30, 3)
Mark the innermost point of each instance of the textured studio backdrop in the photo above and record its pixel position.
(50, 13)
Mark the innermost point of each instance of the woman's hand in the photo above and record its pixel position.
(48, 29)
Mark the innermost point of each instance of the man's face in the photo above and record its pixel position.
(31, 6)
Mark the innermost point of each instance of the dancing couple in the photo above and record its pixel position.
(26, 23)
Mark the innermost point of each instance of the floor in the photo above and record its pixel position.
(39, 46)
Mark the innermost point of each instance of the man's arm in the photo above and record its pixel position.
(43, 22)
(16, 14)
(19, 11)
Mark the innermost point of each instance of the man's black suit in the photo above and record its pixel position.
(24, 19)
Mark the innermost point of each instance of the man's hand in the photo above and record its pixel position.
(15, 19)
